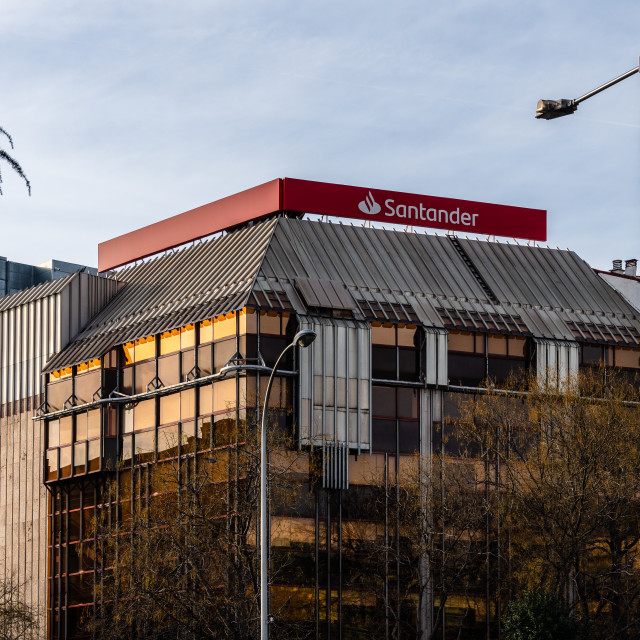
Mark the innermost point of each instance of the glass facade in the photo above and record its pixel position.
(344, 562)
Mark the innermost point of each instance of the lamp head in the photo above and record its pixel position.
(550, 109)
(304, 338)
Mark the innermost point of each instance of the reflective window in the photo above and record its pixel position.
(79, 457)
(87, 386)
(145, 446)
(66, 430)
(170, 408)
(187, 404)
(395, 353)
(93, 424)
(65, 462)
(58, 393)
(395, 424)
(168, 442)
(53, 437)
(169, 370)
(144, 415)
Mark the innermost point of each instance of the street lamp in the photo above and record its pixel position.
(550, 109)
(302, 339)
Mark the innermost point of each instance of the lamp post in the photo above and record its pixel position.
(302, 339)
(550, 109)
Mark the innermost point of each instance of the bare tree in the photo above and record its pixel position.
(567, 471)
(184, 564)
(12, 162)
(17, 619)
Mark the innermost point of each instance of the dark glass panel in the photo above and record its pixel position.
(409, 436)
(93, 424)
(79, 457)
(407, 403)
(88, 526)
(223, 351)
(383, 435)
(94, 455)
(383, 363)
(271, 348)
(80, 592)
(168, 442)
(384, 401)
(145, 446)
(592, 354)
(145, 373)
(169, 370)
(112, 422)
(249, 347)
(205, 360)
(466, 370)
(127, 380)
(74, 525)
(188, 363)
(452, 404)
(224, 429)
(501, 369)
(74, 553)
(75, 498)
(204, 433)
(86, 386)
(58, 393)
(65, 462)
(409, 363)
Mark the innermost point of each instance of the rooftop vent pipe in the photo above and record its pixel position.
(617, 266)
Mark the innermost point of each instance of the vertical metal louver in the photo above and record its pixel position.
(556, 361)
(335, 465)
(335, 383)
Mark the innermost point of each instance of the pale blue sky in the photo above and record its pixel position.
(124, 113)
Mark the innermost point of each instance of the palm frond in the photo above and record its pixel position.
(8, 136)
(16, 167)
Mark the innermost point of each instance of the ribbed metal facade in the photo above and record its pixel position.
(34, 325)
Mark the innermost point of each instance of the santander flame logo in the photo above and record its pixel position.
(369, 205)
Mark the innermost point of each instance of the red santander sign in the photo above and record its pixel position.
(413, 209)
(306, 196)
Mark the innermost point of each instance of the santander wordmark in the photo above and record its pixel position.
(414, 209)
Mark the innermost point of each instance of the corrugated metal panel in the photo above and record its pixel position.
(466, 284)
(36, 292)
(184, 286)
(329, 294)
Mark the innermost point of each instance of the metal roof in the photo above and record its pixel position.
(445, 281)
(178, 288)
(37, 292)
(404, 277)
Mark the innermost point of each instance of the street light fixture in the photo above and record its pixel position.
(550, 109)
(302, 339)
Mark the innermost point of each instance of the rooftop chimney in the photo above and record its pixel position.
(617, 266)
(630, 267)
